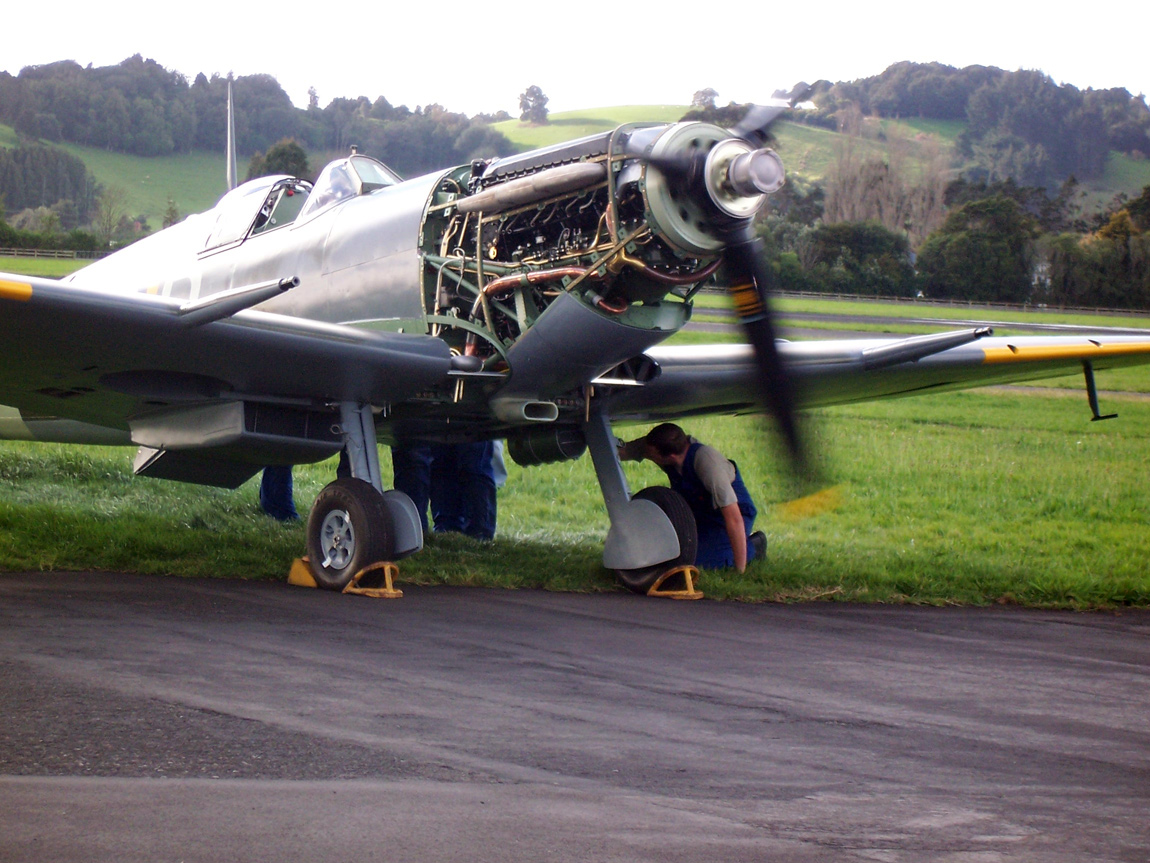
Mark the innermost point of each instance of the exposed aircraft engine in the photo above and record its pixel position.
(603, 240)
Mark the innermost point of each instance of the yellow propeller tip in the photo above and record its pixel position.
(811, 505)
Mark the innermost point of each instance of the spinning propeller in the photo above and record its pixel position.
(730, 179)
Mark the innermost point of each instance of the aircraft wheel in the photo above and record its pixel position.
(683, 520)
(348, 529)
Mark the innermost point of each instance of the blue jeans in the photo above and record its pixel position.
(463, 489)
(411, 474)
(276, 493)
(715, 550)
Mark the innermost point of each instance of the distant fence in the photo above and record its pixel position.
(961, 304)
(50, 253)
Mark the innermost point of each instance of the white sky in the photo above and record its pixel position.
(478, 57)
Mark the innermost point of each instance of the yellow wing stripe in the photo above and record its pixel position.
(1037, 353)
(15, 291)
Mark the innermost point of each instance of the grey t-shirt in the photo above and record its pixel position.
(715, 471)
(717, 474)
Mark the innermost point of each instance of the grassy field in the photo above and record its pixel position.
(567, 125)
(194, 181)
(45, 268)
(716, 300)
(972, 498)
(1122, 173)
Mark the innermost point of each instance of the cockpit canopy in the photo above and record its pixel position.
(267, 203)
(257, 206)
(347, 178)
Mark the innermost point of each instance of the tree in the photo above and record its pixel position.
(982, 252)
(171, 214)
(111, 208)
(704, 99)
(1139, 210)
(67, 214)
(39, 220)
(857, 258)
(286, 157)
(533, 105)
(868, 189)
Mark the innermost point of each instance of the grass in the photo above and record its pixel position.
(195, 181)
(1122, 173)
(567, 125)
(887, 309)
(45, 268)
(971, 498)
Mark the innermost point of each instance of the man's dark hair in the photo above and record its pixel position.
(667, 439)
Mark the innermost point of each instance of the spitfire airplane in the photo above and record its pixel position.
(523, 298)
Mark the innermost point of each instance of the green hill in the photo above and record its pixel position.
(576, 124)
(807, 150)
(195, 181)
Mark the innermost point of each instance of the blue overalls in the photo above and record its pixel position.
(715, 550)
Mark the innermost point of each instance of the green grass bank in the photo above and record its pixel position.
(964, 498)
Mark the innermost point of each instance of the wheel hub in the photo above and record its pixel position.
(337, 539)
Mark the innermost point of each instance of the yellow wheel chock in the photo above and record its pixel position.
(688, 589)
(376, 581)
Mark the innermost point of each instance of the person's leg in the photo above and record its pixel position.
(411, 474)
(276, 493)
(715, 550)
(446, 495)
(477, 487)
(756, 540)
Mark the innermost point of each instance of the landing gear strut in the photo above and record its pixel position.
(354, 523)
(652, 532)
(642, 579)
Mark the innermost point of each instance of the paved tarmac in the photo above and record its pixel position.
(156, 719)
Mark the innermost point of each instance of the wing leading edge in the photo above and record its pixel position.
(700, 379)
(114, 367)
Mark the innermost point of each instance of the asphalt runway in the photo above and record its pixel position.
(157, 719)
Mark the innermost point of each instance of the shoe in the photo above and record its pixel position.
(758, 544)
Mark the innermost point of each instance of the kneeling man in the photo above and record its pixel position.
(714, 490)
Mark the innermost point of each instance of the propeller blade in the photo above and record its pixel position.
(755, 126)
(751, 278)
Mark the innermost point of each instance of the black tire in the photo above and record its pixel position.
(683, 520)
(348, 529)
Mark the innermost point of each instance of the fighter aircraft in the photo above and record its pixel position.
(523, 298)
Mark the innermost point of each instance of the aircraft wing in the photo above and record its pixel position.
(186, 375)
(702, 379)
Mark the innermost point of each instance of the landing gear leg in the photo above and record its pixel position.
(354, 522)
(645, 540)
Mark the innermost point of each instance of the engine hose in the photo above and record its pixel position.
(606, 305)
(504, 283)
(667, 278)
